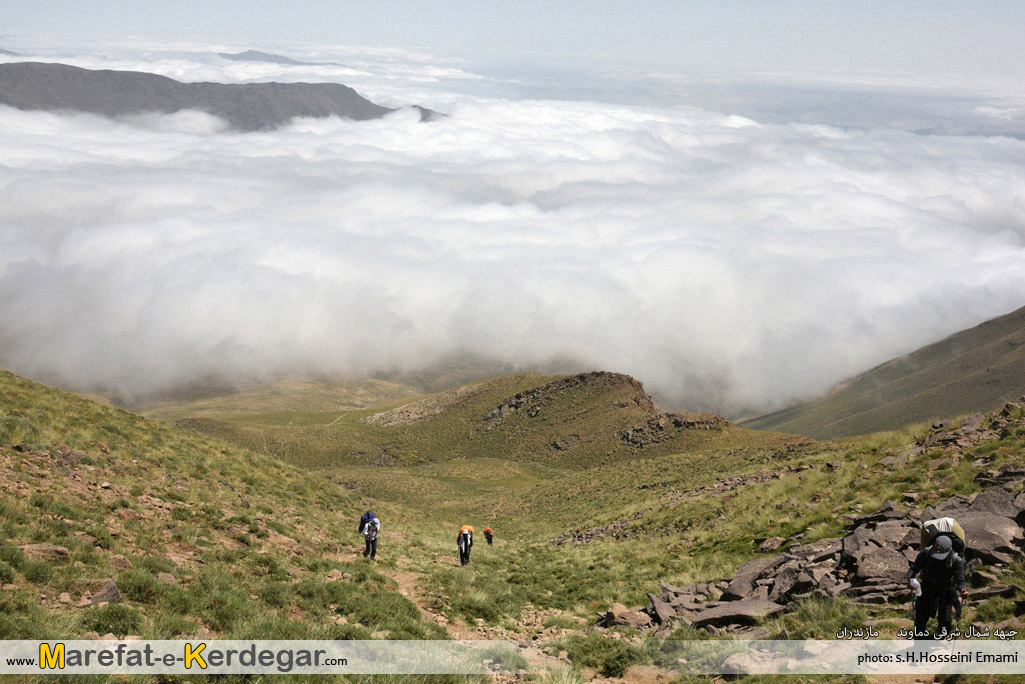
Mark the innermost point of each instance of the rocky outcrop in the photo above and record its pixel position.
(868, 564)
(532, 402)
(665, 426)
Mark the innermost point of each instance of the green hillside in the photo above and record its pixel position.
(199, 536)
(204, 537)
(568, 421)
(300, 396)
(974, 370)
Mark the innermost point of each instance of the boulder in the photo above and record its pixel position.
(167, 577)
(1011, 472)
(882, 563)
(618, 614)
(894, 533)
(743, 582)
(51, 551)
(874, 588)
(987, 592)
(991, 538)
(995, 501)
(838, 588)
(743, 612)
(888, 511)
(787, 581)
(686, 602)
(817, 551)
(771, 544)
(742, 663)
(855, 544)
(958, 502)
(107, 594)
(661, 610)
(120, 562)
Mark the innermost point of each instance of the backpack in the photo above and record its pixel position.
(948, 526)
(364, 519)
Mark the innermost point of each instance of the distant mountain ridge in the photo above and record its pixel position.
(974, 370)
(247, 107)
(257, 56)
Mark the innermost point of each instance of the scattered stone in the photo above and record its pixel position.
(985, 577)
(662, 611)
(771, 544)
(743, 582)
(167, 577)
(988, 592)
(743, 612)
(742, 663)
(120, 562)
(51, 551)
(618, 614)
(107, 594)
(64, 598)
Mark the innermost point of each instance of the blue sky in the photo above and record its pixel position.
(980, 38)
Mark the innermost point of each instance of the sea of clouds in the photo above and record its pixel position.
(731, 257)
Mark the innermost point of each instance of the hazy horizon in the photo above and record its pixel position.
(737, 237)
(976, 39)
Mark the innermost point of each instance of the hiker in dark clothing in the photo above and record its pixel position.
(489, 535)
(943, 585)
(465, 542)
(370, 530)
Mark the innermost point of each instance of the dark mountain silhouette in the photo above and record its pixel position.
(257, 56)
(247, 107)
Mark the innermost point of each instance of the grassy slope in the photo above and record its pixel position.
(226, 506)
(973, 370)
(564, 421)
(313, 395)
(250, 539)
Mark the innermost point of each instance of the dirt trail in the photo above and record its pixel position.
(409, 586)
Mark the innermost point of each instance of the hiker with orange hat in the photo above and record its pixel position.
(465, 542)
(489, 535)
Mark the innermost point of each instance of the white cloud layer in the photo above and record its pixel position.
(723, 261)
